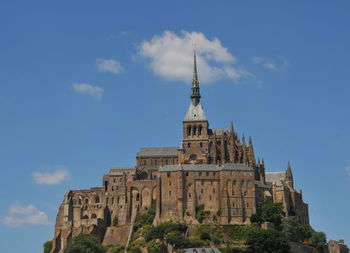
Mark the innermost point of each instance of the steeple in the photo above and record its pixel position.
(289, 175)
(196, 96)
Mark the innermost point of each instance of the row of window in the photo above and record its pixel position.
(194, 130)
(156, 162)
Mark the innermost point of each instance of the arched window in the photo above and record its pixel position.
(137, 196)
(201, 144)
(194, 130)
(85, 217)
(189, 131)
(97, 199)
(93, 216)
(200, 130)
(86, 201)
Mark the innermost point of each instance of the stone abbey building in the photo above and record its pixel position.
(212, 168)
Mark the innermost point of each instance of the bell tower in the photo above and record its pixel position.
(195, 139)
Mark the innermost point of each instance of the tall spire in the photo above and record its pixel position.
(289, 175)
(195, 83)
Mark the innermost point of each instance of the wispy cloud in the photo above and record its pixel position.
(109, 65)
(88, 89)
(171, 57)
(21, 215)
(54, 177)
(271, 64)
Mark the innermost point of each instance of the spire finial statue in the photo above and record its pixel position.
(195, 83)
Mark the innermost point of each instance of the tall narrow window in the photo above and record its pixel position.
(189, 131)
(194, 131)
(200, 130)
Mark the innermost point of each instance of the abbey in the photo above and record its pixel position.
(213, 169)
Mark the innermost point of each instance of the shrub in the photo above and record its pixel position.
(156, 247)
(47, 246)
(115, 221)
(146, 218)
(201, 214)
(229, 249)
(160, 231)
(268, 211)
(134, 250)
(84, 243)
(115, 249)
(205, 236)
(261, 241)
(317, 239)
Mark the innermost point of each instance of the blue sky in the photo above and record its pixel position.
(85, 84)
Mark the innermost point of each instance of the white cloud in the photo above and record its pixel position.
(171, 57)
(109, 65)
(347, 170)
(270, 64)
(21, 215)
(88, 89)
(55, 177)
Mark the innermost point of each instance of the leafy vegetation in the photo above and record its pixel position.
(268, 212)
(156, 247)
(115, 249)
(201, 214)
(146, 218)
(160, 231)
(84, 243)
(222, 233)
(229, 249)
(115, 221)
(47, 246)
(262, 241)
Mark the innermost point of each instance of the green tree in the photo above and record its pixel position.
(47, 246)
(266, 241)
(317, 239)
(84, 243)
(270, 212)
(291, 229)
(305, 232)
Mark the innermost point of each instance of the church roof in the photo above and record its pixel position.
(219, 131)
(164, 151)
(276, 178)
(205, 167)
(195, 113)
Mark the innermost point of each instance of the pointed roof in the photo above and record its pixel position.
(289, 173)
(195, 113)
(196, 96)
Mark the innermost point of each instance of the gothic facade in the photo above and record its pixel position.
(213, 169)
